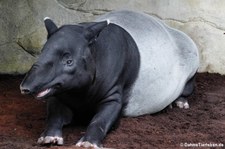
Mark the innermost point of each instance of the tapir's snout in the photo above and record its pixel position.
(33, 80)
(27, 85)
(39, 86)
(24, 90)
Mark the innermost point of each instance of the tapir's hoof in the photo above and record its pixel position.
(87, 144)
(50, 140)
(182, 103)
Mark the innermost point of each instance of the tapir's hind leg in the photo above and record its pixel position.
(57, 116)
(182, 101)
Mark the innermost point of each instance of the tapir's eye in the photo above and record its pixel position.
(67, 59)
(69, 62)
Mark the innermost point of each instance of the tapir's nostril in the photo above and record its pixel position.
(24, 90)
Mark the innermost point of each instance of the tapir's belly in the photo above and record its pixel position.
(153, 95)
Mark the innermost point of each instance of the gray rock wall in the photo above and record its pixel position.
(22, 32)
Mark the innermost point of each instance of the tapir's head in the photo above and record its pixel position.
(66, 61)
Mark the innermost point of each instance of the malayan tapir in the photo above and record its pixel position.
(124, 63)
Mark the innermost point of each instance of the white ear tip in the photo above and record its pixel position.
(46, 18)
(108, 21)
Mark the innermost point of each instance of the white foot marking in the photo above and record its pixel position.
(182, 104)
(50, 140)
(87, 144)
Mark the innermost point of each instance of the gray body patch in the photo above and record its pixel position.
(169, 58)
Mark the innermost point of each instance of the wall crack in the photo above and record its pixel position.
(191, 20)
(23, 48)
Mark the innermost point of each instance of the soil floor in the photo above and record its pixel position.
(22, 119)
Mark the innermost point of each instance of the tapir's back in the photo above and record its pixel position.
(169, 59)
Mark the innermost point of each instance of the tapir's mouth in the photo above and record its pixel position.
(47, 91)
(43, 93)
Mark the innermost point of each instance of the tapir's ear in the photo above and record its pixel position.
(95, 29)
(50, 26)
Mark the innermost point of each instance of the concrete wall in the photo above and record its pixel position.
(22, 31)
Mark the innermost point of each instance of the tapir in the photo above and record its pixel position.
(124, 63)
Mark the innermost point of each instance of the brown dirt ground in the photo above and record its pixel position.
(22, 120)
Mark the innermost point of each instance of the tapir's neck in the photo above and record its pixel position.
(73, 96)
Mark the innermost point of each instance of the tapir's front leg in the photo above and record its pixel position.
(108, 112)
(57, 116)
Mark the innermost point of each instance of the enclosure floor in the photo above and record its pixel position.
(22, 120)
